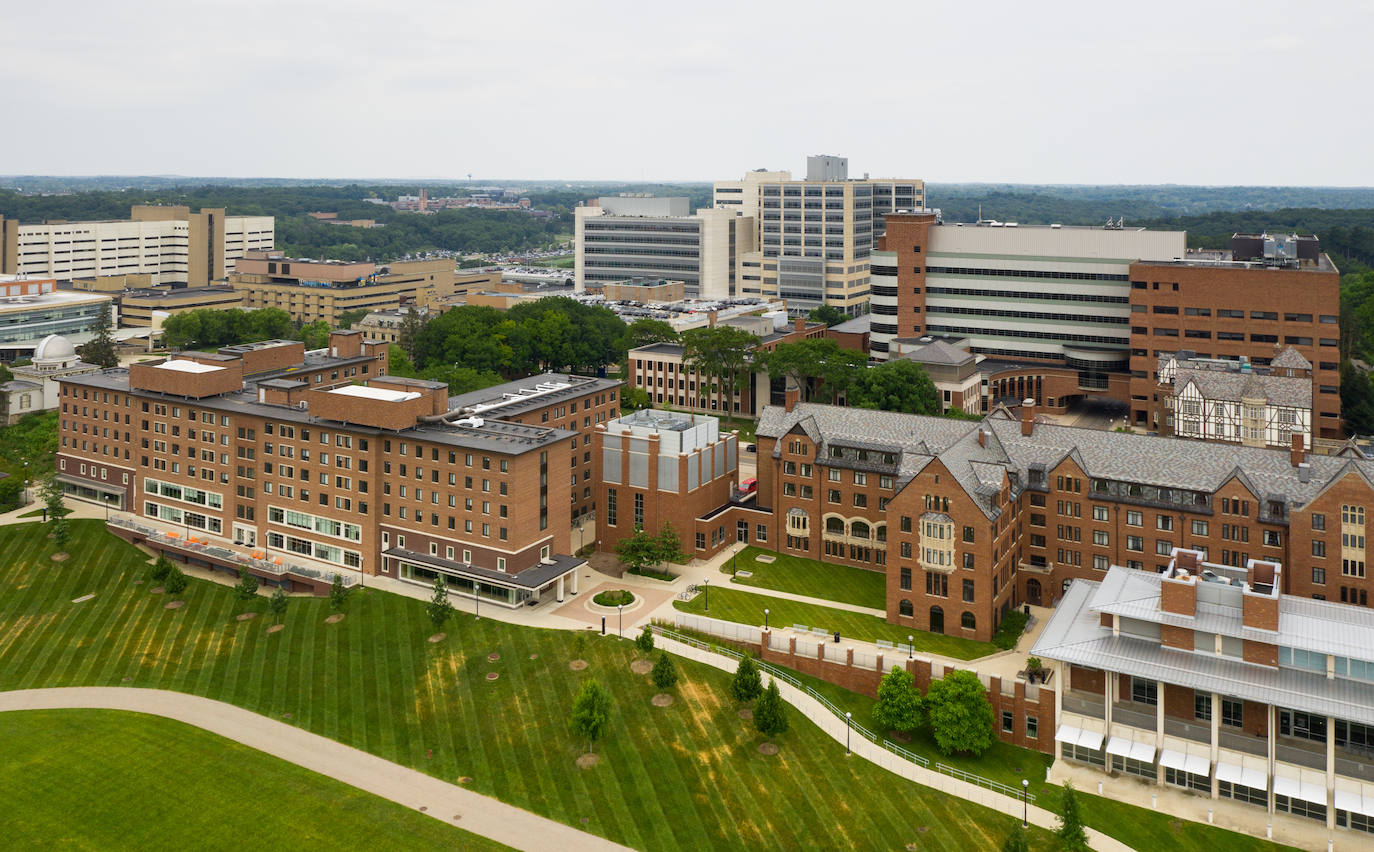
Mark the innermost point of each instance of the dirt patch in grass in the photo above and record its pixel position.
(641, 667)
(492, 675)
(587, 761)
(493, 657)
(746, 714)
(60, 557)
(663, 699)
(276, 628)
(174, 605)
(246, 616)
(335, 618)
(157, 590)
(437, 637)
(768, 749)
(577, 665)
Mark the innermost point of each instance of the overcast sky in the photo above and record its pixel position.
(973, 90)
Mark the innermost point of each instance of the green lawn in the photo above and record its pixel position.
(684, 777)
(811, 577)
(1138, 827)
(103, 779)
(747, 608)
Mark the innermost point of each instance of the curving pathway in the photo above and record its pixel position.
(446, 802)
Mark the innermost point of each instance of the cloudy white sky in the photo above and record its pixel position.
(1204, 92)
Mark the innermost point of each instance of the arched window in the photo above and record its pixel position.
(905, 608)
(968, 621)
(1033, 592)
(859, 529)
(937, 620)
(834, 526)
(880, 532)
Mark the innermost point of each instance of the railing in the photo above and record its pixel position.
(226, 555)
(882, 742)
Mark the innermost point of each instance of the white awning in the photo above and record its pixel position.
(1173, 759)
(1312, 793)
(1230, 773)
(1119, 746)
(1091, 740)
(1197, 765)
(1143, 752)
(1067, 734)
(1349, 801)
(1256, 778)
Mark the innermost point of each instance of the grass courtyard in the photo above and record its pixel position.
(747, 608)
(810, 577)
(687, 776)
(103, 779)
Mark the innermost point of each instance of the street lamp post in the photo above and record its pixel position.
(706, 589)
(765, 618)
(847, 728)
(620, 630)
(476, 598)
(1025, 803)
(910, 647)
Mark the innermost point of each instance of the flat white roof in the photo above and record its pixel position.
(383, 394)
(183, 366)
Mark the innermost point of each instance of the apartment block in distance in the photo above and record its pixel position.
(1208, 678)
(137, 307)
(312, 290)
(814, 236)
(170, 243)
(1267, 292)
(636, 236)
(299, 466)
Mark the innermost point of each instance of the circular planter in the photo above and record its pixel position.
(608, 598)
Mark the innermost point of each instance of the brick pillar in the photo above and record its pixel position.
(791, 646)
(766, 636)
(849, 661)
(820, 651)
(881, 671)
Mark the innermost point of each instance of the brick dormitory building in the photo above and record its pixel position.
(300, 465)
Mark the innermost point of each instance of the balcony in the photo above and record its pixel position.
(1084, 704)
(1135, 715)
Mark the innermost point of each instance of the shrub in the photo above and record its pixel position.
(616, 597)
(338, 594)
(176, 582)
(899, 702)
(665, 672)
(1071, 835)
(1013, 623)
(440, 608)
(277, 603)
(161, 568)
(247, 587)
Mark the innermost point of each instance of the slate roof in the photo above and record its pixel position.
(1291, 357)
(1292, 392)
(940, 352)
(858, 325)
(1174, 463)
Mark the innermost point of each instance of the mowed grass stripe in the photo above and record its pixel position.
(502, 732)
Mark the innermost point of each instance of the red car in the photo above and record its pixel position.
(748, 486)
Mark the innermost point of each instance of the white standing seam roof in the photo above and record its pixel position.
(1075, 635)
(382, 394)
(183, 366)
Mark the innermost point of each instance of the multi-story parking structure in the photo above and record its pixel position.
(300, 466)
(1208, 678)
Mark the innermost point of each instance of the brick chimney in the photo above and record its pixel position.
(982, 437)
(1297, 454)
(710, 319)
(799, 324)
(1027, 417)
(792, 395)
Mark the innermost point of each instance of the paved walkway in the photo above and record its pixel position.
(835, 729)
(446, 802)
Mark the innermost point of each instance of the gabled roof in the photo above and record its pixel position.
(1291, 358)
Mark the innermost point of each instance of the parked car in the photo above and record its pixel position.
(748, 486)
(751, 448)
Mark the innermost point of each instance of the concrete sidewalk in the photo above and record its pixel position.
(445, 802)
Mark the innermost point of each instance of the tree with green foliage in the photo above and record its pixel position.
(746, 685)
(461, 379)
(960, 714)
(61, 534)
(100, 350)
(347, 319)
(645, 641)
(5, 374)
(399, 363)
(246, 589)
(1071, 835)
(644, 331)
(51, 491)
(668, 547)
(770, 711)
(591, 712)
(637, 551)
(11, 493)
(579, 644)
(1357, 400)
(215, 327)
(315, 335)
(828, 314)
(175, 583)
(411, 324)
(818, 365)
(899, 702)
(476, 336)
(901, 385)
(664, 674)
(338, 594)
(162, 568)
(277, 604)
(633, 399)
(440, 608)
(723, 356)
(1016, 840)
